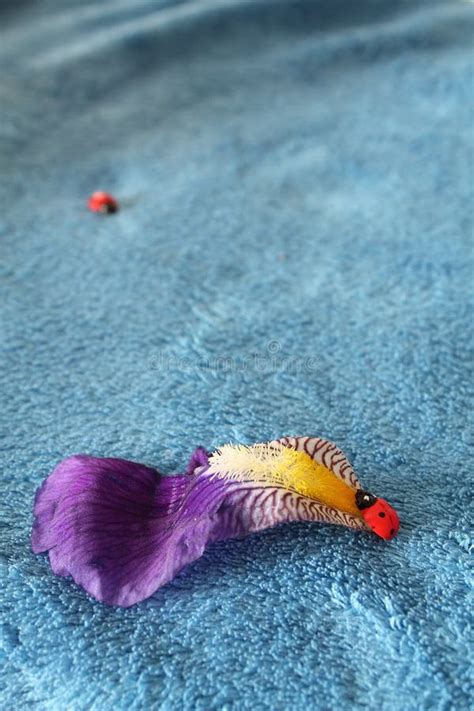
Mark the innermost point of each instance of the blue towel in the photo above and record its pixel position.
(293, 255)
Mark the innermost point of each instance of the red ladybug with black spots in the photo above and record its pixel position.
(102, 202)
(378, 514)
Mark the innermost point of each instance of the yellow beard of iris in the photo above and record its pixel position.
(284, 467)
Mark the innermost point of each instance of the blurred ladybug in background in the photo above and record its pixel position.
(378, 514)
(102, 202)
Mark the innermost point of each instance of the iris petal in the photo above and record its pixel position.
(122, 530)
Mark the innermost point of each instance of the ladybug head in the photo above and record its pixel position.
(378, 514)
(364, 499)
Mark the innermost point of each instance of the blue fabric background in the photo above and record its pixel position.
(293, 256)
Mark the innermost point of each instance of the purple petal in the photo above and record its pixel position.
(199, 458)
(122, 530)
(119, 528)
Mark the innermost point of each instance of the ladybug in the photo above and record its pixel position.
(378, 514)
(102, 202)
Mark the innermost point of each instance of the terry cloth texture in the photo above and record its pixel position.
(292, 256)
